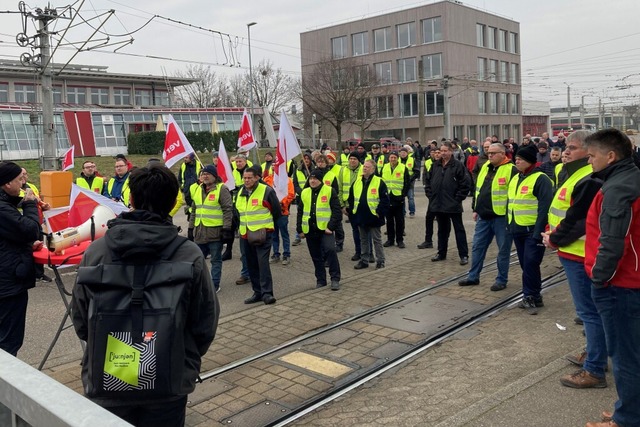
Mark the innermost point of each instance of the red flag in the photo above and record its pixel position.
(246, 140)
(56, 219)
(225, 171)
(67, 160)
(286, 149)
(176, 145)
(83, 202)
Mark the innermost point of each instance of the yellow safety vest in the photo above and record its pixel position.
(344, 159)
(523, 205)
(560, 205)
(380, 163)
(557, 171)
(349, 176)
(236, 175)
(373, 194)
(208, 210)
(183, 168)
(96, 185)
(253, 215)
(33, 188)
(408, 164)
(323, 208)
(394, 178)
(499, 186)
(302, 179)
(124, 196)
(427, 164)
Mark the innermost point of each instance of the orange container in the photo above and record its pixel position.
(55, 187)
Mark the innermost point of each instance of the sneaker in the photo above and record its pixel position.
(425, 245)
(218, 290)
(274, 259)
(356, 257)
(339, 248)
(335, 285)
(583, 379)
(361, 265)
(498, 286)
(296, 242)
(242, 280)
(285, 260)
(320, 285)
(468, 282)
(379, 265)
(464, 260)
(412, 215)
(529, 304)
(578, 359)
(539, 303)
(372, 258)
(401, 245)
(387, 243)
(45, 278)
(578, 321)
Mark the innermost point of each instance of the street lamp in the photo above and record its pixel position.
(404, 77)
(249, 25)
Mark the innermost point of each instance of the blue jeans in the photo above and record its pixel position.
(530, 254)
(215, 249)
(244, 270)
(411, 197)
(619, 309)
(282, 228)
(486, 230)
(580, 286)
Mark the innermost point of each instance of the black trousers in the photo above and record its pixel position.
(428, 226)
(395, 223)
(258, 265)
(164, 414)
(13, 314)
(339, 234)
(444, 230)
(323, 247)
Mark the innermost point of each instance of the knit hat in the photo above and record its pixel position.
(316, 173)
(393, 153)
(331, 156)
(210, 169)
(354, 154)
(404, 149)
(528, 153)
(8, 172)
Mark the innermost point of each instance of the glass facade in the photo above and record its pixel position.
(19, 136)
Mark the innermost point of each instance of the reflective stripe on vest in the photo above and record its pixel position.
(499, 186)
(373, 194)
(523, 205)
(253, 215)
(349, 176)
(394, 178)
(560, 205)
(208, 211)
(96, 185)
(323, 208)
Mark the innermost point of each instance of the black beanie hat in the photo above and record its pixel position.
(529, 153)
(8, 172)
(354, 154)
(316, 173)
(210, 169)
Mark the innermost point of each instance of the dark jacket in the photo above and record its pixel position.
(447, 186)
(549, 168)
(336, 212)
(17, 233)
(483, 204)
(116, 190)
(200, 305)
(543, 191)
(363, 215)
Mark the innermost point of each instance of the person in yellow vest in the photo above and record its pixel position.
(282, 225)
(259, 210)
(430, 217)
(187, 175)
(239, 165)
(369, 203)
(350, 173)
(490, 214)
(318, 217)
(336, 171)
(362, 152)
(377, 157)
(396, 176)
(88, 178)
(529, 197)
(413, 167)
(567, 229)
(210, 224)
(117, 188)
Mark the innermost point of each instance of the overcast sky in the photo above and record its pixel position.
(589, 44)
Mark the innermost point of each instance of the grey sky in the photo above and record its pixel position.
(588, 44)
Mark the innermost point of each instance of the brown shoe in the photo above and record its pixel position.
(606, 416)
(582, 379)
(604, 424)
(577, 360)
(242, 280)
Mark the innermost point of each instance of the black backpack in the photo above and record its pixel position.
(136, 323)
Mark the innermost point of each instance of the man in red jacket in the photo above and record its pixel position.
(612, 261)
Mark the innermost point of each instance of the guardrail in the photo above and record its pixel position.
(30, 398)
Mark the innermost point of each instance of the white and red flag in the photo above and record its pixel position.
(246, 140)
(67, 159)
(225, 171)
(176, 145)
(286, 149)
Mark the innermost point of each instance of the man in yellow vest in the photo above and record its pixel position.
(117, 188)
(188, 174)
(210, 224)
(413, 167)
(430, 217)
(350, 173)
(239, 165)
(318, 217)
(530, 193)
(490, 215)
(88, 178)
(567, 228)
(259, 210)
(369, 203)
(396, 176)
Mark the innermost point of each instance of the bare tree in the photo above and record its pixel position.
(210, 90)
(273, 88)
(343, 91)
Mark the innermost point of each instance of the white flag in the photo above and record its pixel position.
(225, 171)
(176, 145)
(286, 149)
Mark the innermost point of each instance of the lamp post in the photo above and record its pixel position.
(249, 25)
(404, 77)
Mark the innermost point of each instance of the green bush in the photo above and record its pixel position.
(149, 143)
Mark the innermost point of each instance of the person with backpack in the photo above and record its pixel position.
(145, 304)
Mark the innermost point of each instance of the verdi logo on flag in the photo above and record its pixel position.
(286, 149)
(176, 145)
(246, 140)
(67, 159)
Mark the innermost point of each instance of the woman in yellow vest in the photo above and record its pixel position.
(318, 218)
(529, 197)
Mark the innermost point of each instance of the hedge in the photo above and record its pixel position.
(152, 143)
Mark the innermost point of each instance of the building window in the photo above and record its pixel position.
(162, 98)
(493, 103)
(515, 103)
(504, 107)
(482, 67)
(458, 131)
(76, 95)
(384, 105)
(57, 94)
(143, 97)
(513, 74)
(408, 104)
(25, 93)
(338, 79)
(434, 103)
(383, 71)
(406, 34)
(482, 102)
(4, 92)
(407, 70)
(484, 131)
(432, 30)
(513, 43)
(363, 109)
(491, 37)
(502, 40)
(432, 66)
(504, 76)
(122, 96)
(362, 76)
(480, 35)
(506, 131)
(339, 47)
(360, 43)
(495, 130)
(382, 39)
(100, 95)
(493, 70)
(473, 132)
(515, 129)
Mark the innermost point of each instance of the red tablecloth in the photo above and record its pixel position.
(71, 255)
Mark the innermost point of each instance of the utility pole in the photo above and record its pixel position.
(569, 106)
(421, 96)
(582, 112)
(599, 113)
(447, 108)
(49, 159)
